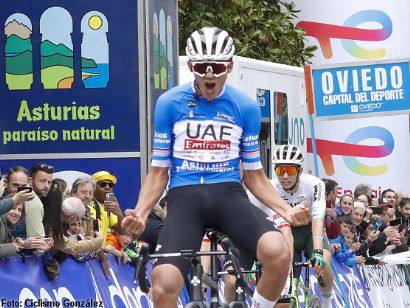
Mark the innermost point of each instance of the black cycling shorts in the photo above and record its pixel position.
(223, 206)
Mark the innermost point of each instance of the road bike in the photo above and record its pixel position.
(197, 276)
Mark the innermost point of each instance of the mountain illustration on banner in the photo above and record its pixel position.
(56, 58)
(162, 57)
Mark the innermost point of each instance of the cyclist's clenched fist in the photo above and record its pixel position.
(133, 222)
(299, 215)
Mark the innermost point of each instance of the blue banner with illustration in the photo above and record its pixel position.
(349, 289)
(362, 89)
(80, 283)
(69, 80)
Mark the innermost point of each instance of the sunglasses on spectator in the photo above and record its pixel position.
(290, 170)
(217, 68)
(43, 167)
(105, 184)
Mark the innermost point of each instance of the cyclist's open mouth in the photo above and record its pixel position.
(209, 85)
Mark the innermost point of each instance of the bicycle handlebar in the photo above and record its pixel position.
(308, 264)
(231, 252)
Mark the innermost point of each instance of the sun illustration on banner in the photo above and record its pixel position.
(95, 22)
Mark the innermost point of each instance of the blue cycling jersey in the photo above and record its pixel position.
(204, 141)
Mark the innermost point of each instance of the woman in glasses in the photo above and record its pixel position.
(296, 187)
(9, 244)
(202, 131)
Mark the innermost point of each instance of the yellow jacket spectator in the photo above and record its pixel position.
(104, 206)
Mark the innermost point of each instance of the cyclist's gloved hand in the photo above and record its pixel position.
(318, 256)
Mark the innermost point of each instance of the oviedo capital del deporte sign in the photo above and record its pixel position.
(361, 89)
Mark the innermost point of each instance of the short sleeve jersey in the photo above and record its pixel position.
(203, 141)
(311, 189)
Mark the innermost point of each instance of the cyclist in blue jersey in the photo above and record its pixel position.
(202, 131)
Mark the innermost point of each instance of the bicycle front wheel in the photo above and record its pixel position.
(315, 302)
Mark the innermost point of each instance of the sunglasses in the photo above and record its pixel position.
(105, 184)
(43, 167)
(290, 170)
(217, 68)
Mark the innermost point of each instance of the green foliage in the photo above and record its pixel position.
(261, 29)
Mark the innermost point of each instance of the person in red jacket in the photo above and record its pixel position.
(332, 223)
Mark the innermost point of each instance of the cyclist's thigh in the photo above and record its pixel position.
(183, 227)
(239, 219)
(302, 239)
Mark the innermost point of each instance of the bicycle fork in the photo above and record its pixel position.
(196, 300)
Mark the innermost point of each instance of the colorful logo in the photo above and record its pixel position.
(56, 51)
(349, 33)
(350, 150)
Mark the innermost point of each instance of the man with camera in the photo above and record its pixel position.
(104, 206)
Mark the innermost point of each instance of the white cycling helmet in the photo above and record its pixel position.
(288, 154)
(210, 44)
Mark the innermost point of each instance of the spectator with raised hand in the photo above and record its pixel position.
(404, 208)
(74, 210)
(9, 202)
(107, 211)
(345, 245)
(9, 246)
(84, 188)
(2, 186)
(32, 226)
(365, 237)
(53, 224)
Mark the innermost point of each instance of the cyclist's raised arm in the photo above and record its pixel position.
(260, 186)
(151, 191)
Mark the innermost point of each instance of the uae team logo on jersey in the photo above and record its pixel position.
(207, 137)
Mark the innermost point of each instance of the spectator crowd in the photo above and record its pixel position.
(41, 215)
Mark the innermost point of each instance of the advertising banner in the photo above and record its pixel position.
(351, 287)
(363, 152)
(355, 90)
(357, 151)
(386, 285)
(80, 284)
(70, 81)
